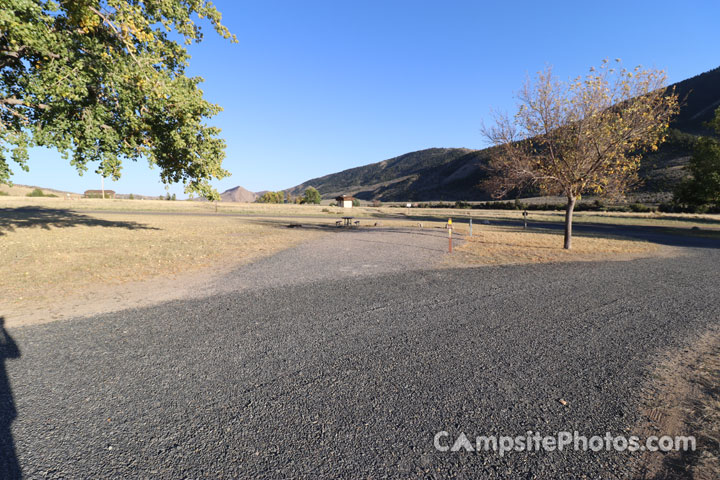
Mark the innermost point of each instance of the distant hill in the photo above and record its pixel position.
(238, 194)
(454, 173)
(397, 178)
(22, 190)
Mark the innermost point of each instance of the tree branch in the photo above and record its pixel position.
(21, 103)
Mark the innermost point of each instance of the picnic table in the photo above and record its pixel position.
(348, 221)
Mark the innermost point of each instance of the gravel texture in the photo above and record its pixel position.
(345, 362)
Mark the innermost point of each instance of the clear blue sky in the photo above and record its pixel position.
(315, 87)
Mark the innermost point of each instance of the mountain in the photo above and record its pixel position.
(454, 173)
(238, 194)
(389, 178)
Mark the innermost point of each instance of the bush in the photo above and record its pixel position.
(39, 193)
(639, 208)
(3, 194)
(674, 207)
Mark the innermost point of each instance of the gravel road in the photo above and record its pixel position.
(344, 359)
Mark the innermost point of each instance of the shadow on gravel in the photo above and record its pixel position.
(26, 217)
(9, 466)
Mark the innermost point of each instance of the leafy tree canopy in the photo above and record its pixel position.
(311, 196)
(715, 123)
(103, 81)
(272, 197)
(703, 187)
(582, 136)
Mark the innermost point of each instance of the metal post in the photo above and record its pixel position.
(471, 226)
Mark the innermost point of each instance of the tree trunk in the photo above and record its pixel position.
(568, 221)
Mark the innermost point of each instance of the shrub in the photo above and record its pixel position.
(639, 208)
(36, 193)
(3, 194)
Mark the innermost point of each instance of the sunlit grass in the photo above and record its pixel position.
(499, 246)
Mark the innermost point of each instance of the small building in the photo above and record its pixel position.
(99, 194)
(345, 201)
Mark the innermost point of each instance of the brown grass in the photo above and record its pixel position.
(23, 190)
(497, 246)
(66, 255)
(706, 222)
(684, 399)
(44, 263)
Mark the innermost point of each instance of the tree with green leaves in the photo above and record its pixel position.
(715, 123)
(104, 81)
(702, 188)
(582, 136)
(272, 197)
(311, 195)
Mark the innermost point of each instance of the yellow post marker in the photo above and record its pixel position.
(449, 235)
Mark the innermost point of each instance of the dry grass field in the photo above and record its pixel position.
(23, 190)
(705, 222)
(50, 255)
(683, 396)
(56, 250)
(509, 245)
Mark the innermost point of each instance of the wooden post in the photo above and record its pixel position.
(450, 240)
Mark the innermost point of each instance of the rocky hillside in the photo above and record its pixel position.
(455, 173)
(238, 194)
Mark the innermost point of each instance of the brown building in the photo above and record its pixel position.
(345, 201)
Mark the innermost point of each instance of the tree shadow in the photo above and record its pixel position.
(27, 217)
(9, 465)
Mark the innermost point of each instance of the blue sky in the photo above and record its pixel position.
(315, 87)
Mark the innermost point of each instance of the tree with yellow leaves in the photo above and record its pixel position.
(104, 81)
(583, 136)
